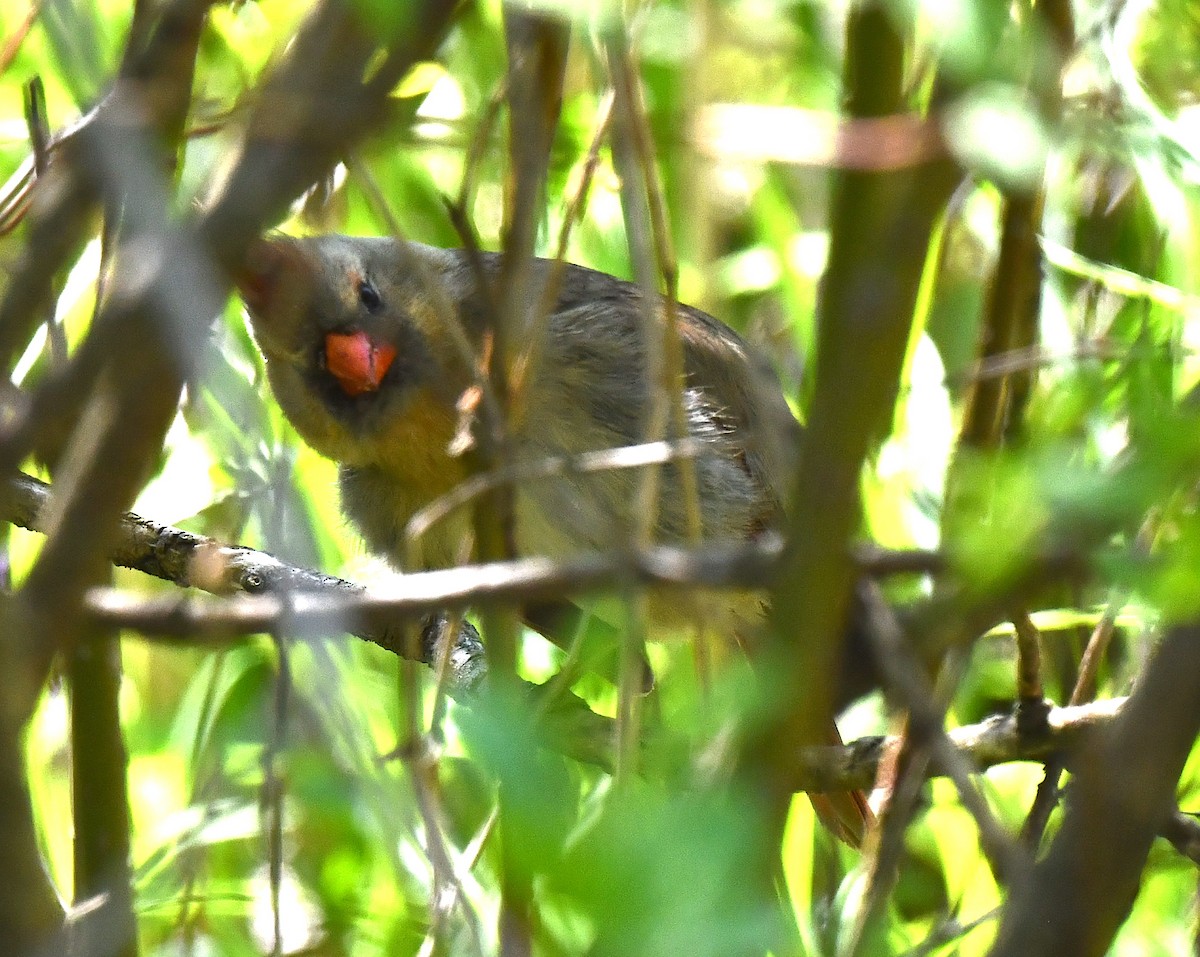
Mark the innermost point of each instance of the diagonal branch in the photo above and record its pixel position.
(1122, 796)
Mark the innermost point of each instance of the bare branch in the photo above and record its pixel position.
(1122, 796)
(996, 740)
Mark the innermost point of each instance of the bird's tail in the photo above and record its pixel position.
(846, 814)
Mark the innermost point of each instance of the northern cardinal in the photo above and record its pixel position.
(359, 356)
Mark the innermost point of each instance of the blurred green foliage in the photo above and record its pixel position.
(369, 835)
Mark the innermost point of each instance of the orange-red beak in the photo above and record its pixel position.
(357, 361)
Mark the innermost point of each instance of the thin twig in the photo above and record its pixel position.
(904, 677)
(1029, 658)
(525, 368)
(12, 46)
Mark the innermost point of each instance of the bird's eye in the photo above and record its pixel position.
(369, 296)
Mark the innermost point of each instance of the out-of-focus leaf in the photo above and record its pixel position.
(84, 43)
(537, 786)
(680, 860)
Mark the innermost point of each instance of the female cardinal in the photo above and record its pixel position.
(362, 357)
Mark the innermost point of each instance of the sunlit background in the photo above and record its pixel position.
(742, 98)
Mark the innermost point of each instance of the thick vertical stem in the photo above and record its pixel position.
(100, 803)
